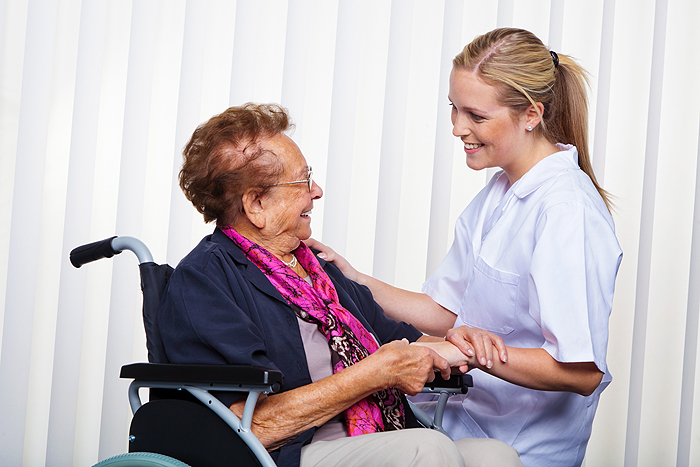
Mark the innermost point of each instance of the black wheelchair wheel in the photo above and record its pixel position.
(141, 459)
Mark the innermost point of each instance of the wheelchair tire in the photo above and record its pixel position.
(141, 459)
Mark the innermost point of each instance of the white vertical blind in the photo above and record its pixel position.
(124, 305)
(685, 425)
(646, 230)
(25, 234)
(602, 100)
(245, 45)
(393, 141)
(342, 124)
(296, 55)
(98, 97)
(188, 110)
(79, 195)
(444, 141)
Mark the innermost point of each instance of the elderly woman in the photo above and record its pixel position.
(253, 293)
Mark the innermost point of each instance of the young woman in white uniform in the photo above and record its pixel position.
(527, 286)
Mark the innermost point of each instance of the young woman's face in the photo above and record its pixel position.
(491, 136)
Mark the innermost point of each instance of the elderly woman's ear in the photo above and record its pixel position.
(253, 208)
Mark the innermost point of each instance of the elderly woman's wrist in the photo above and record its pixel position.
(369, 373)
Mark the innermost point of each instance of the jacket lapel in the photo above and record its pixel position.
(248, 269)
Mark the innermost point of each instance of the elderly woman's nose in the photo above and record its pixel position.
(316, 191)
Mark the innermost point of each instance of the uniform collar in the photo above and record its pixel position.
(546, 169)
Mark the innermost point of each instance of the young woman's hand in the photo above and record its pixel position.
(475, 342)
(327, 253)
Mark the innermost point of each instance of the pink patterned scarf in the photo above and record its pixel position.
(348, 339)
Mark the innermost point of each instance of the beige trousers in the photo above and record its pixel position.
(412, 447)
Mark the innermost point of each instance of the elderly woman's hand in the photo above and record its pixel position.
(408, 367)
(475, 342)
(327, 253)
(278, 418)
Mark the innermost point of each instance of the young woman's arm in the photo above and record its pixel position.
(401, 305)
(415, 308)
(530, 368)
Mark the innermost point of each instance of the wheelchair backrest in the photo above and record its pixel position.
(154, 279)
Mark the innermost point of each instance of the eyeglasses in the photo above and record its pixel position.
(308, 181)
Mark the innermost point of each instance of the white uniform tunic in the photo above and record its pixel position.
(534, 263)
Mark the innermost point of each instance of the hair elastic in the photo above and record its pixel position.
(555, 57)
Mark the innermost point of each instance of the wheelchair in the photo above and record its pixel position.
(183, 423)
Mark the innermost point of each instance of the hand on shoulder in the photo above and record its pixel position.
(327, 253)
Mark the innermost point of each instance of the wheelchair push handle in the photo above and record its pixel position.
(92, 252)
(109, 247)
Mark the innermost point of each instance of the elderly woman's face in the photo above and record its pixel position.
(288, 206)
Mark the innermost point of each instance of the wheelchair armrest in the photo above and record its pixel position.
(458, 383)
(242, 375)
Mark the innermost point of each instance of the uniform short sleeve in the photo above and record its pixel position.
(572, 280)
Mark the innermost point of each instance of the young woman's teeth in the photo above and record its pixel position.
(472, 146)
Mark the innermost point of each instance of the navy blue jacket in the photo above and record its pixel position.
(219, 308)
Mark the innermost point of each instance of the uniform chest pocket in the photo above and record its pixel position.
(489, 301)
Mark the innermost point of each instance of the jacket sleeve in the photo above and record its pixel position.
(199, 317)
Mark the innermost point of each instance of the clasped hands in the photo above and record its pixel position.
(410, 366)
(466, 348)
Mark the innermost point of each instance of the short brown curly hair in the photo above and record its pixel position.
(224, 158)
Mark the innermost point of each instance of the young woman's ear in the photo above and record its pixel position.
(253, 207)
(532, 117)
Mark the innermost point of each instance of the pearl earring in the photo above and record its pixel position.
(529, 128)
